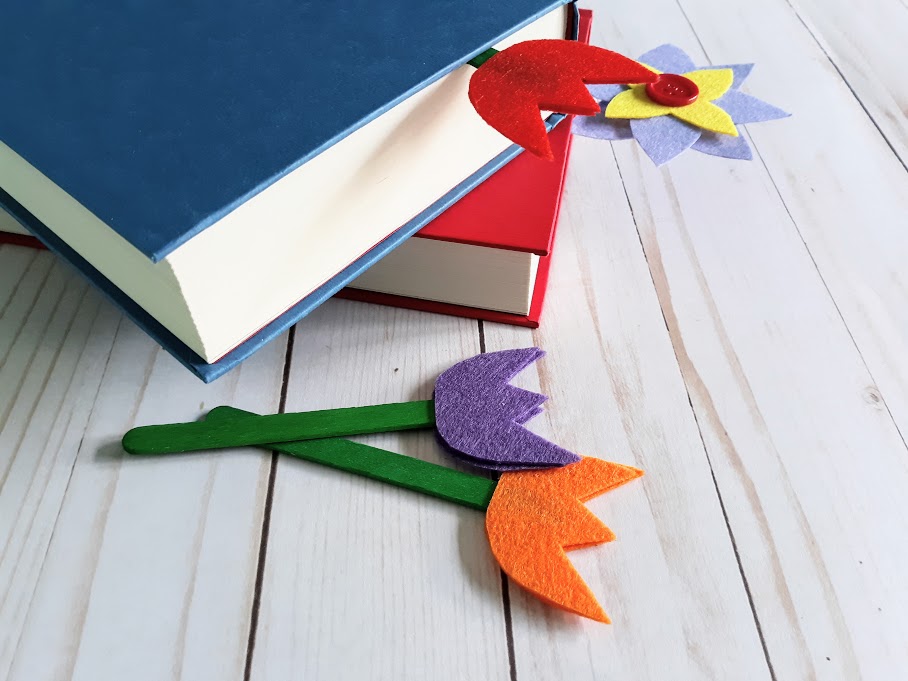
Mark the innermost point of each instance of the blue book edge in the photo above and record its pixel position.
(187, 357)
(162, 253)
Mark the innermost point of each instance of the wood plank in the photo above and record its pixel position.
(115, 567)
(810, 465)
(867, 45)
(843, 187)
(670, 582)
(365, 580)
(54, 339)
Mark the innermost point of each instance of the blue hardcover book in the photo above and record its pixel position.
(220, 169)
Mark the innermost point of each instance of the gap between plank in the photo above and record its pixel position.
(53, 532)
(832, 298)
(731, 534)
(505, 586)
(266, 519)
(854, 94)
(794, 222)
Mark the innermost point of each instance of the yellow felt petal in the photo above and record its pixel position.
(708, 116)
(634, 103)
(713, 83)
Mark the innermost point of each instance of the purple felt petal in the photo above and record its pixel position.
(741, 72)
(664, 137)
(501, 467)
(723, 145)
(604, 92)
(602, 128)
(668, 58)
(744, 108)
(529, 415)
(480, 414)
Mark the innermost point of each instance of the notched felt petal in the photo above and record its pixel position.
(479, 414)
(511, 88)
(535, 516)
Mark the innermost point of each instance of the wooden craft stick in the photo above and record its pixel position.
(473, 491)
(250, 429)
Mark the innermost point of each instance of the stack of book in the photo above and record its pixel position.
(222, 172)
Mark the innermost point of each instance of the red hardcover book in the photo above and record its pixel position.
(513, 214)
(515, 210)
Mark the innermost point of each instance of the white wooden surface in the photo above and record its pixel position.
(738, 330)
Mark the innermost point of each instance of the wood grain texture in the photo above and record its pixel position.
(868, 49)
(365, 580)
(809, 463)
(670, 582)
(738, 330)
(842, 186)
(111, 567)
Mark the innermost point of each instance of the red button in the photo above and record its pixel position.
(673, 90)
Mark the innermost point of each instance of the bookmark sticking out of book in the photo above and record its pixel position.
(534, 511)
(663, 101)
(511, 87)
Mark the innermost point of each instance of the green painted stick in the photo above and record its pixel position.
(251, 429)
(481, 59)
(466, 489)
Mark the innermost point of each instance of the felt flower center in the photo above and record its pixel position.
(673, 90)
(710, 84)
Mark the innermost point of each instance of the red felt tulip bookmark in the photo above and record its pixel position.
(510, 88)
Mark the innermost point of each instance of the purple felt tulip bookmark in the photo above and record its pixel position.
(534, 509)
(478, 414)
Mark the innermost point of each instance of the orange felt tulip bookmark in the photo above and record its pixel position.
(534, 511)
(535, 516)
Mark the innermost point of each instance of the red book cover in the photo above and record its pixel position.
(515, 209)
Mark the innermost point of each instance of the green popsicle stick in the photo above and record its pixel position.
(481, 59)
(469, 490)
(251, 429)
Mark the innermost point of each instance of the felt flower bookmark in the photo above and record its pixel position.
(687, 107)
(534, 511)
(663, 100)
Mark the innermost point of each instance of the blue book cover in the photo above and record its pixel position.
(234, 96)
